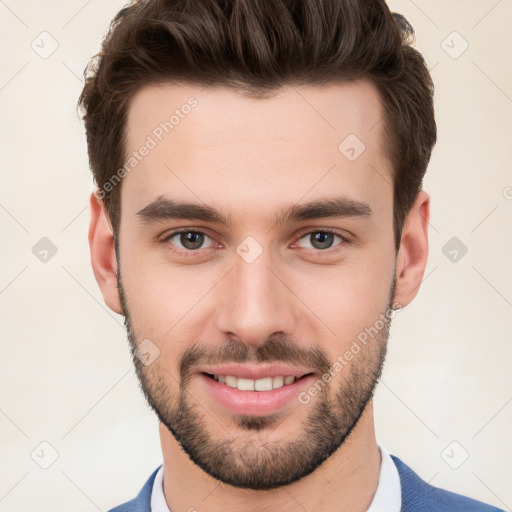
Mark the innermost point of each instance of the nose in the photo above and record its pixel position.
(256, 302)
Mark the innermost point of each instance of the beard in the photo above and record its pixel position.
(246, 460)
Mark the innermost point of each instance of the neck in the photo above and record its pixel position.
(347, 481)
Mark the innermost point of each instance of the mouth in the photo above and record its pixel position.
(255, 397)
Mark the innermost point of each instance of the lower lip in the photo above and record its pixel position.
(256, 403)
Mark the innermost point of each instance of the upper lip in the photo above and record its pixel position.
(254, 372)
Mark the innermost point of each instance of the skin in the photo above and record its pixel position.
(250, 158)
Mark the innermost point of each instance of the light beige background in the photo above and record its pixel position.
(66, 374)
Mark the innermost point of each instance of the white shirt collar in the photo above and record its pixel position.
(158, 503)
(387, 498)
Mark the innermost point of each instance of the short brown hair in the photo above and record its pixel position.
(255, 47)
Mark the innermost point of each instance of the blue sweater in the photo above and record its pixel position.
(417, 496)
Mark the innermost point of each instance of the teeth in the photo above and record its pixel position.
(265, 384)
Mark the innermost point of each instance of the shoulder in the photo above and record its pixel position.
(142, 502)
(419, 496)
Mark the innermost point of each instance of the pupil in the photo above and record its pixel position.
(321, 238)
(191, 240)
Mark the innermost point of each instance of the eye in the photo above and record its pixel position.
(189, 240)
(322, 239)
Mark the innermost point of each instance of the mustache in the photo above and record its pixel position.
(277, 349)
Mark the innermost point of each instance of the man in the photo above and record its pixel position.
(258, 219)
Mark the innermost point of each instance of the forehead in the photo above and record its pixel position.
(215, 145)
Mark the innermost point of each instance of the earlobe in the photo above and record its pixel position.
(412, 256)
(103, 256)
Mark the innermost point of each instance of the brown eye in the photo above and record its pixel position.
(188, 240)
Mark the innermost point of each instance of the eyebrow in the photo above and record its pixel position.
(162, 209)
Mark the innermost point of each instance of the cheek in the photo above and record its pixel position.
(164, 302)
(344, 300)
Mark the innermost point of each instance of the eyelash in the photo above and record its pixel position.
(193, 252)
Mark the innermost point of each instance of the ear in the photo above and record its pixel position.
(103, 254)
(413, 252)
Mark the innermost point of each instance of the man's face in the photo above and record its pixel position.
(259, 288)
